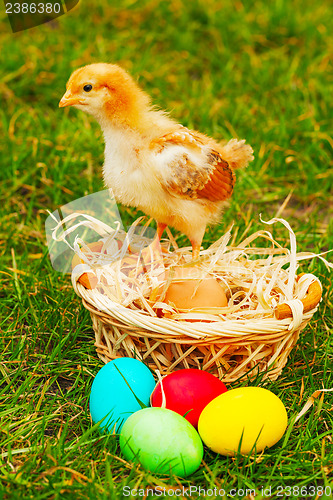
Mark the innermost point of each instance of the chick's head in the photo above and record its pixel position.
(107, 92)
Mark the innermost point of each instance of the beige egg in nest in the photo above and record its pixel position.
(189, 289)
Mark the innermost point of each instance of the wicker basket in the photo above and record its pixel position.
(228, 348)
(225, 349)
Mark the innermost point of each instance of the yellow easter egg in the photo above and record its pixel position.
(247, 419)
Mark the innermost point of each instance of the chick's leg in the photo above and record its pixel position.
(153, 253)
(196, 240)
(155, 244)
(195, 250)
(160, 230)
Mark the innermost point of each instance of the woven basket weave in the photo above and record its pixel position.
(228, 348)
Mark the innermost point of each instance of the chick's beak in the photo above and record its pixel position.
(69, 100)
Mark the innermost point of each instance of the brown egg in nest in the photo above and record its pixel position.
(129, 264)
(88, 280)
(190, 290)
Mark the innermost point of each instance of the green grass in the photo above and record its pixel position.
(253, 69)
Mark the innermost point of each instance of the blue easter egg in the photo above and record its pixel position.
(116, 390)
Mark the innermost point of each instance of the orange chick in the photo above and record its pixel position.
(180, 177)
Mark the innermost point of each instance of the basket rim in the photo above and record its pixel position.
(236, 328)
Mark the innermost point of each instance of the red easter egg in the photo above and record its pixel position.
(188, 390)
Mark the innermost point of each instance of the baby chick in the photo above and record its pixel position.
(178, 176)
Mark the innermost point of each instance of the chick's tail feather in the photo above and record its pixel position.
(237, 153)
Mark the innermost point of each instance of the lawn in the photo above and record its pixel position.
(249, 69)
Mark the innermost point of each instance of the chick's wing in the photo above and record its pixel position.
(191, 168)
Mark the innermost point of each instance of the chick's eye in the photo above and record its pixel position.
(87, 88)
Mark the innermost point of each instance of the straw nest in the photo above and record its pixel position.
(268, 302)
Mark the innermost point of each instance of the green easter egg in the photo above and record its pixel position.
(162, 441)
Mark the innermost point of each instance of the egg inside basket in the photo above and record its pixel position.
(235, 312)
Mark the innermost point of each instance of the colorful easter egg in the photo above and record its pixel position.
(117, 391)
(187, 392)
(162, 441)
(247, 419)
